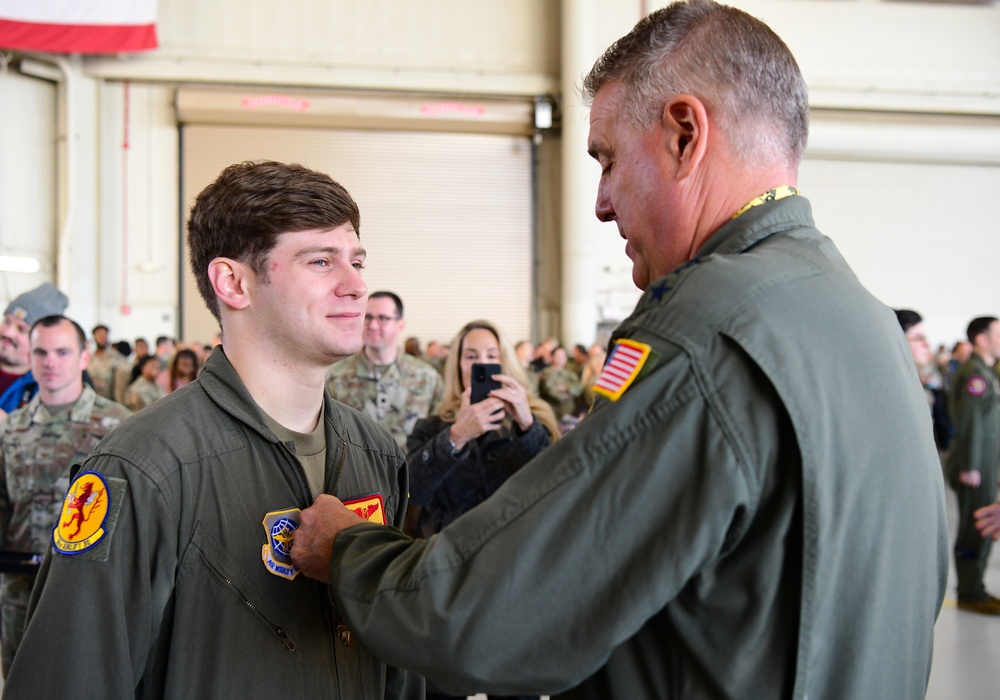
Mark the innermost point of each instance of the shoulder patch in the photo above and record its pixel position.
(371, 508)
(280, 527)
(622, 367)
(89, 516)
(976, 386)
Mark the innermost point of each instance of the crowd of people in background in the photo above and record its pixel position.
(963, 394)
(701, 535)
(561, 375)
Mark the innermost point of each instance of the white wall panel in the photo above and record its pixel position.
(27, 179)
(466, 46)
(446, 218)
(918, 235)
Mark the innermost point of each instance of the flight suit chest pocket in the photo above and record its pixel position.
(235, 612)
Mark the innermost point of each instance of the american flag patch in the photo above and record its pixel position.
(621, 369)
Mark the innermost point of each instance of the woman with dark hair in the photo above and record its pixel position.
(182, 371)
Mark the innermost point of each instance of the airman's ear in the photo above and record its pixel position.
(686, 121)
(230, 279)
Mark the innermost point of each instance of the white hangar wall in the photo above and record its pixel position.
(106, 217)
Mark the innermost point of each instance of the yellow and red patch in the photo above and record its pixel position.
(81, 523)
(371, 508)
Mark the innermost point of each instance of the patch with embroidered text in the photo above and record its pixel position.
(371, 508)
(622, 367)
(89, 515)
(280, 526)
(976, 386)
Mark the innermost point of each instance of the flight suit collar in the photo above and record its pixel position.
(219, 379)
(757, 224)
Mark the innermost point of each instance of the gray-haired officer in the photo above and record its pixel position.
(732, 519)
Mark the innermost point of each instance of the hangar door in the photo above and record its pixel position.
(446, 217)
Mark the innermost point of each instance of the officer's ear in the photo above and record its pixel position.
(685, 120)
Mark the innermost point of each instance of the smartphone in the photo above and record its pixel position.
(483, 382)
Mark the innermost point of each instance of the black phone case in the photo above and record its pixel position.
(482, 381)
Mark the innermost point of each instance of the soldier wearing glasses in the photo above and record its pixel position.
(393, 388)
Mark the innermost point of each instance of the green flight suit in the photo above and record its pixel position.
(743, 522)
(182, 596)
(974, 407)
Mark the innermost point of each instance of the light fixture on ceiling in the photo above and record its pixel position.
(18, 263)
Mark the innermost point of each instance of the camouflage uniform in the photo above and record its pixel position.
(561, 388)
(143, 392)
(37, 450)
(123, 377)
(408, 390)
(102, 368)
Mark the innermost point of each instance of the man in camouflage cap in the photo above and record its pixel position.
(393, 388)
(17, 385)
(39, 443)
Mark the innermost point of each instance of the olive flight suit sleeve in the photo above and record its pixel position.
(534, 589)
(95, 615)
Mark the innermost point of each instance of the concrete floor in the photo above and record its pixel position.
(966, 645)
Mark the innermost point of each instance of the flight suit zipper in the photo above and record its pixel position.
(277, 630)
(333, 618)
(302, 472)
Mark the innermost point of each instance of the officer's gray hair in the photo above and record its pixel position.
(742, 71)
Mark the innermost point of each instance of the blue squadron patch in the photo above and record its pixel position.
(280, 526)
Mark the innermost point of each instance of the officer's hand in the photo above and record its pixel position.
(970, 478)
(988, 521)
(319, 526)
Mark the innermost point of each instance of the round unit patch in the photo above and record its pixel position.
(976, 386)
(81, 523)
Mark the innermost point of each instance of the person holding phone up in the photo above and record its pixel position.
(488, 425)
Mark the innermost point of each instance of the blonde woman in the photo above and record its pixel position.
(460, 456)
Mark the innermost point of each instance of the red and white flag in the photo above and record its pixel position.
(78, 26)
